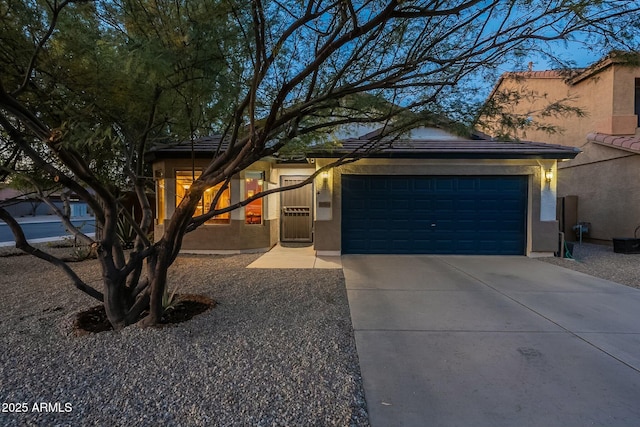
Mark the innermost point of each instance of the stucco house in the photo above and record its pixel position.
(601, 186)
(427, 192)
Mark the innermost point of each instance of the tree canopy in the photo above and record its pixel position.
(87, 87)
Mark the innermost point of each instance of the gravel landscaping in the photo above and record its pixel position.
(601, 261)
(278, 349)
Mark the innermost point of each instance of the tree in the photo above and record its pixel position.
(88, 86)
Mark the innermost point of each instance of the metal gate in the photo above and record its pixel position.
(296, 217)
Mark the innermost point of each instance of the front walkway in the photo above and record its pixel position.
(305, 257)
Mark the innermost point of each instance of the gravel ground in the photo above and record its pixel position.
(601, 261)
(278, 350)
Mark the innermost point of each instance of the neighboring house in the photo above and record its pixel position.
(19, 204)
(605, 177)
(427, 192)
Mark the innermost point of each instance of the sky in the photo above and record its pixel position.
(576, 52)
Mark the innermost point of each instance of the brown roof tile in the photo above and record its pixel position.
(203, 147)
(542, 74)
(627, 143)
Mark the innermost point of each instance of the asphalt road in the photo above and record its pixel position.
(44, 228)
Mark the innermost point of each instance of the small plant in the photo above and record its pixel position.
(125, 232)
(169, 300)
(78, 252)
(82, 253)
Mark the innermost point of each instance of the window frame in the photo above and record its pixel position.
(182, 175)
(256, 205)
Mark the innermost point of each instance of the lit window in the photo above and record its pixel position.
(184, 181)
(253, 184)
(160, 195)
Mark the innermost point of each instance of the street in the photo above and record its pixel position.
(44, 227)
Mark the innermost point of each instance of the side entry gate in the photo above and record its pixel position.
(296, 216)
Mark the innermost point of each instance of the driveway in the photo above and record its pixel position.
(493, 341)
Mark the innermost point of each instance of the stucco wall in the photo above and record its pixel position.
(606, 97)
(542, 236)
(233, 237)
(608, 190)
(604, 179)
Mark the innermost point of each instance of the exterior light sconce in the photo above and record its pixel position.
(325, 179)
(548, 175)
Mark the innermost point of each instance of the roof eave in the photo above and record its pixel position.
(564, 155)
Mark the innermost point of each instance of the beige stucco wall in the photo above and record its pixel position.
(236, 237)
(542, 236)
(604, 179)
(606, 97)
(607, 184)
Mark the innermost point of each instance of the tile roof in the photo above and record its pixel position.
(463, 149)
(542, 74)
(203, 147)
(627, 143)
(576, 75)
(399, 148)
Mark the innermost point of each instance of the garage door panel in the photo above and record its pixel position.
(423, 185)
(472, 215)
(444, 204)
(358, 182)
(401, 184)
(444, 184)
(422, 205)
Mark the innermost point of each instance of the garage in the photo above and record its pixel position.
(481, 215)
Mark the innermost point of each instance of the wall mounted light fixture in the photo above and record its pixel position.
(548, 175)
(325, 179)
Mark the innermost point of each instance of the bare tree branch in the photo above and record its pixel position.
(23, 245)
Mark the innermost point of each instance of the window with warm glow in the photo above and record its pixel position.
(160, 195)
(183, 182)
(253, 184)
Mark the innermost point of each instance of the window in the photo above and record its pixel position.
(160, 195)
(253, 184)
(183, 182)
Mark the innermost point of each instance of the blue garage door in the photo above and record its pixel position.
(434, 214)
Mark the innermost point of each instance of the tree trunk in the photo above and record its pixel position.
(158, 284)
(115, 304)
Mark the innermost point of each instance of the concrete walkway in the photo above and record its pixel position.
(493, 341)
(304, 257)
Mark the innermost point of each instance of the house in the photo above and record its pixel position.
(428, 191)
(21, 203)
(602, 184)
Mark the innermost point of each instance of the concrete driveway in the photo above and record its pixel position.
(493, 341)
